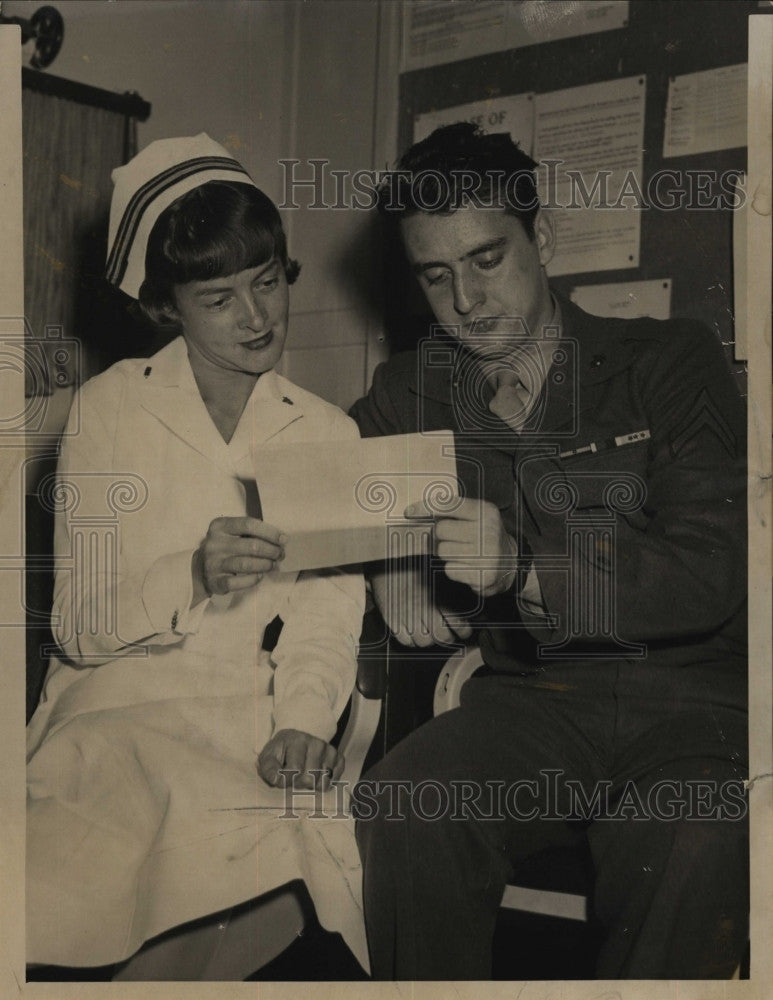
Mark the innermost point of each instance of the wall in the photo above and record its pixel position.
(270, 79)
(335, 307)
(662, 39)
(218, 66)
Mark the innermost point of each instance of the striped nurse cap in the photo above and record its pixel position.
(147, 185)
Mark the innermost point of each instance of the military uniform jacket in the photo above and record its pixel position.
(625, 489)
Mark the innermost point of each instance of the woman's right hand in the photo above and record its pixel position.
(235, 554)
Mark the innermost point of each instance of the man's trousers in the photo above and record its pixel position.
(646, 762)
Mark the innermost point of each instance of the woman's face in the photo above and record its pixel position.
(237, 323)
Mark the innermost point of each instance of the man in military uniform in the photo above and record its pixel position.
(598, 558)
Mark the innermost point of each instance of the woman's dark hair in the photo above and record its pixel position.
(214, 230)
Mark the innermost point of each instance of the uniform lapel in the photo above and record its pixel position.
(595, 349)
(272, 407)
(168, 390)
(598, 350)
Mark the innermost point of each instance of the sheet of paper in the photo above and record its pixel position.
(436, 31)
(592, 137)
(533, 21)
(342, 502)
(627, 299)
(513, 114)
(706, 111)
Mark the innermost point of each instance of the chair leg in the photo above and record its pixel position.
(364, 715)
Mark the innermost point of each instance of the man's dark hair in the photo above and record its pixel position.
(217, 229)
(458, 165)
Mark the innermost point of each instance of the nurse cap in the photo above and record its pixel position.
(147, 185)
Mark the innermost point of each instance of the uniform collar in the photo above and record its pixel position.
(602, 352)
(167, 388)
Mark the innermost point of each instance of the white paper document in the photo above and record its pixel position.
(628, 299)
(342, 502)
(436, 31)
(533, 21)
(593, 138)
(706, 111)
(513, 114)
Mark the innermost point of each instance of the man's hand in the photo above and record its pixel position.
(235, 554)
(473, 544)
(402, 595)
(292, 750)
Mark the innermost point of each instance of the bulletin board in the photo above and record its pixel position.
(662, 39)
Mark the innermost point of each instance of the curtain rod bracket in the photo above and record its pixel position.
(46, 26)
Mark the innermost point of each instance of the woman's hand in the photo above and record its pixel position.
(290, 750)
(235, 554)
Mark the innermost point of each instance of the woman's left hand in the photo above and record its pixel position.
(302, 760)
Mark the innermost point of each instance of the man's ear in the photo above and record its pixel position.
(545, 235)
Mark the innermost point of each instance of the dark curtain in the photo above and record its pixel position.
(73, 317)
(70, 150)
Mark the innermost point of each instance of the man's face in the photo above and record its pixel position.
(478, 263)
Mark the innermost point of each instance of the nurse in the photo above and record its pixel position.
(162, 724)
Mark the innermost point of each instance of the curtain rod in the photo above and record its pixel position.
(129, 103)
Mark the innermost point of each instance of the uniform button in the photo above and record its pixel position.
(598, 360)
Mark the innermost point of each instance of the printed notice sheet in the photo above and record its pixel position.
(546, 20)
(627, 299)
(706, 111)
(342, 502)
(513, 114)
(436, 31)
(589, 142)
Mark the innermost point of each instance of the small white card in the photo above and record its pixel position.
(629, 299)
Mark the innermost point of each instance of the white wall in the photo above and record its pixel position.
(334, 319)
(270, 79)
